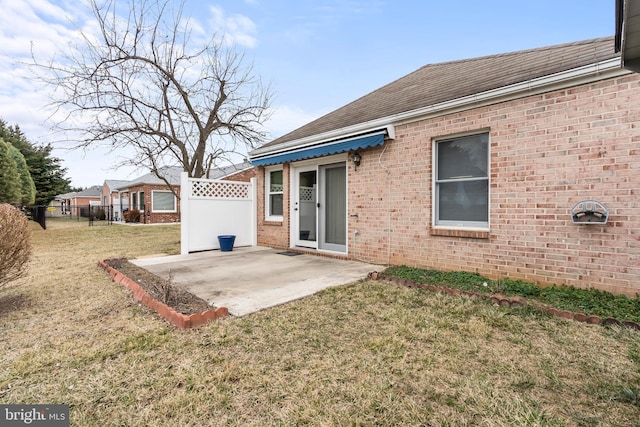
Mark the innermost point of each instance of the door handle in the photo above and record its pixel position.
(318, 205)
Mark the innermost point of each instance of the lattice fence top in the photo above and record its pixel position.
(307, 194)
(219, 189)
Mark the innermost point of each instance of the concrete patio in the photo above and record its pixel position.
(249, 279)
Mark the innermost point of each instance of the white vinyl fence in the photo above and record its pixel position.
(210, 208)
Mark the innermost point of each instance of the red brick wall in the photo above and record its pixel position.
(110, 195)
(273, 234)
(243, 176)
(547, 152)
(78, 203)
(106, 193)
(150, 217)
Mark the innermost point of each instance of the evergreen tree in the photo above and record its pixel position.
(50, 178)
(46, 172)
(10, 191)
(27, 187)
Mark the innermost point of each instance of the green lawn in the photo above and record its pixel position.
(363, 354)
(591, 302)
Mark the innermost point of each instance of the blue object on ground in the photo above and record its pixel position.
(226, 242)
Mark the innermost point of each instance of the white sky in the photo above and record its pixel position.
(318, 55)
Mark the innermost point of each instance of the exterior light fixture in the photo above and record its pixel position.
(589, 212)
(356, 159)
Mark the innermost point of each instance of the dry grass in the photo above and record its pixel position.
(363, 354)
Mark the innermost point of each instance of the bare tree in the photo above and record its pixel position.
(140, 82)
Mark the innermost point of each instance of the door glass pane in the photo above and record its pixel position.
(307, 209)
(336, 205)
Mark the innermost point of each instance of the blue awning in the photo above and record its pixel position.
(325, 149)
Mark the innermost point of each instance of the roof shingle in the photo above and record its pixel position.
(436, 83)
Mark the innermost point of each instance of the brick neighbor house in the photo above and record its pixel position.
(76, 203)
(114, 202)
(153, 197)
(523, 164)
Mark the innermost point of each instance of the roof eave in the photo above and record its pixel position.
(569, 78)
(628, 33)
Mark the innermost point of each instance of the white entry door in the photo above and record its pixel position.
(305, 207)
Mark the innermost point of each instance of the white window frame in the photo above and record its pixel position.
(268, 193)
(459, 225)
(175, 202)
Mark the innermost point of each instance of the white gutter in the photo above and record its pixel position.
(564, 79)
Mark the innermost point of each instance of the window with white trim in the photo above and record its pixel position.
(163, 201)
(461, 196)
(274, 194)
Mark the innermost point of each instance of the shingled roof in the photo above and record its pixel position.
(172, 173)
(437, 83)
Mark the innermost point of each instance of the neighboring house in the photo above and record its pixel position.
(155, 200)
(62, 204)
(153, 197)
(55, 207)
(114, 202)
(242, 172)
(473, 165)
(77, 203)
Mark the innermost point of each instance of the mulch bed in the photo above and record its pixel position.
(160, 289)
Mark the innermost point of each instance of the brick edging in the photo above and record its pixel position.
(505, 301)
(182, 321)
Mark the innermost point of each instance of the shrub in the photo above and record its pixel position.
(132, 216)
(99, 214)
(15, 244)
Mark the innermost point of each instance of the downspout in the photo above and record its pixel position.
(389, 204)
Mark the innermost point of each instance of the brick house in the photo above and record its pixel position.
(77, 203)
(153, 197)
(112, 201)
(523, 164)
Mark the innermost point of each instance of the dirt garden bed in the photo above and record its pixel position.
(177, 305)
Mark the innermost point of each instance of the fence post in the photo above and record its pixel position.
(253, 193)
(185, 194)
(38, 214)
